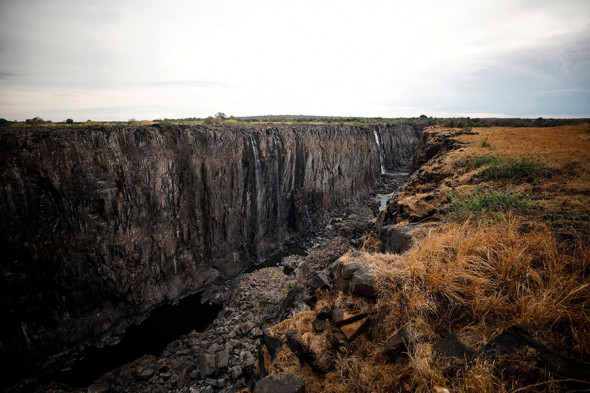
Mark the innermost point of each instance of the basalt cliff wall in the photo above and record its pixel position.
(102, 223)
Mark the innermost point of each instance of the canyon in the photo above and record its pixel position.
(100, 225)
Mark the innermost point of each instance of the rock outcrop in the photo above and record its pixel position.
(102, 223)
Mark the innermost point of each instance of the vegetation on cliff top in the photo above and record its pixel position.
(465, 123)
(471, 276)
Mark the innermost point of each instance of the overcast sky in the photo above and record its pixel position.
(122, 59)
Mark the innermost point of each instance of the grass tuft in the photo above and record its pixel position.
(486, 202)
(510, 168)
(485, 160)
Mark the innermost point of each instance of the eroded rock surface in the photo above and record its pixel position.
(101, 224)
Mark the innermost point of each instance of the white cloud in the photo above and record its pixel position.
(369, 58)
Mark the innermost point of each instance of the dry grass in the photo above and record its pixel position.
(565, 149)
(474, 278)
(470, 276)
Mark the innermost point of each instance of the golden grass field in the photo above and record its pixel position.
(476, 276)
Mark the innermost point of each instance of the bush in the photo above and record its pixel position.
(512, 168)
(485, 201)
(485, 160)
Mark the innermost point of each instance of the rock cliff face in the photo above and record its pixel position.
(99, 224)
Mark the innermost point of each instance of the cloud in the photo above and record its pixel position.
(201, 83)
(346, 57)
(560, 92)
(6, 74)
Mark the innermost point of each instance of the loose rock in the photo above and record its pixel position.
(285, 383)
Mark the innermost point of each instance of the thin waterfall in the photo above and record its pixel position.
(279, 216)
(259, 187)
(379, 142)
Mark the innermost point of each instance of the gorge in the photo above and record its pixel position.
(102, 224)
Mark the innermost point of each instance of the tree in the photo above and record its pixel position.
(35, 120)
(69, 121)
(220, 115)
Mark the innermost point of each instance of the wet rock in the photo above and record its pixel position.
(274, 345)
(353, 329)
(283, 383)
(363, 283)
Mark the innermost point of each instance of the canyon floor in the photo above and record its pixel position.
(492, 293)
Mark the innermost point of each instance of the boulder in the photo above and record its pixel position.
(343, 285)
(363, 283)
(396, 239)
(334, 269)
(274, 345)
(206, 364)
(319, 281)
(222, 359)
(348, 269)
(304, 353)
(283, 383)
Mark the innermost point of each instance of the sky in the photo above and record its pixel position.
(145, 60)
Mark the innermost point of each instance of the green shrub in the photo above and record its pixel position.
(514, 168)
(486, 202)
(485, 160)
